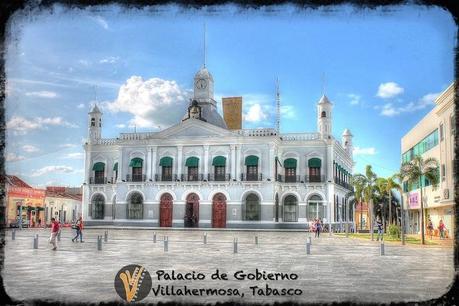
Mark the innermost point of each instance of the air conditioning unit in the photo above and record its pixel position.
(446, 194)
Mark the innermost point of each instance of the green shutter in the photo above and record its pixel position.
(115, 167)
(98, 167)
(166, 161)
(219, 161)
(290, 163)
(251, 160)
(192, 162)
(315, 163)
(136, 163)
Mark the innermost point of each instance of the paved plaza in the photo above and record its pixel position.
(338, 268)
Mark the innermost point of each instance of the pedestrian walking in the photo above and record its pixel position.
(441, 229)
(380, 230)
(79, 230)
(55, 228)
(318, 228)
(430, 228)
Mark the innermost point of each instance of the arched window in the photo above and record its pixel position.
(219, 163)
(98, 204)
(251, 163)
(290, 209)
(192, 163)
(290, 170)
(251, 210)
(100, 122)
(323, 114)
(136, 165)
(316, 208)
(166, 168)
(99, 173)
(135, 206)
(93, 121)
(314, 165)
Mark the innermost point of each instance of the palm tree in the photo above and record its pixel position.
(391, 184)
(381, 187)
(358, 194)
(400, 176)
(415, 171)
(367, 181)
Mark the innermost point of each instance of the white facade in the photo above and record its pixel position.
(198, 173)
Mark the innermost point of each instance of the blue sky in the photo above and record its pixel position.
(381, 69)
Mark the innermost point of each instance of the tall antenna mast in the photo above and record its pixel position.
(277, 106)
(205, 44)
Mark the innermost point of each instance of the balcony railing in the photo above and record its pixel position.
(97, 180)
(251, 177)
(314, 178)
(288, 178)
(219, 177)
(165, 178)
(135, 178)
(192, 177)
(344, 184)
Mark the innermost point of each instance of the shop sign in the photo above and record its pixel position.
(413, 200)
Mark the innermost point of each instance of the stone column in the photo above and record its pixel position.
(206, 161)
(233, 161)
(87, 164)
(148, 164)
(120, 166)
(238, 162)
(272, 163)
(154, 162)
(179, 160)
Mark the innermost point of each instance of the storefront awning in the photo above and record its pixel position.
(315, 163)
(136, 163)
(98, 167)
(219, 161)
(251, 160)
(115, 167)
(166, 161)
(290, 163)
(192, 162)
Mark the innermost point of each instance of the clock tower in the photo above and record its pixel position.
(204, 87)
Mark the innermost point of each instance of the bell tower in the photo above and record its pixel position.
(346, 139)
(324, 117)
(204, 87)
(94, 124)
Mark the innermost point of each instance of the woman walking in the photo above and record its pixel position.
(79, 230)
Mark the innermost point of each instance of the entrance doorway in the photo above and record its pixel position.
(191, 218)
(165, 211)
(219, 211)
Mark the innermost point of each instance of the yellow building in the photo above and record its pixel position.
(433, 136)
(232, 112)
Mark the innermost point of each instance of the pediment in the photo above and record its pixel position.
(195, 128)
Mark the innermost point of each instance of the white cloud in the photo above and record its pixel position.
(30, 148)
(121, 125)
(52, 170)
(81, 105)
(42, 94)
(287, 112)
(84, 62)
(364, 151)
(153, 102)
(101, 21)
(76, 155)
(427, 100)
(354, 99)
(67, 145)
(12, 157)
(21, 125)
(109, 60)
(255, 114)
(389, 90)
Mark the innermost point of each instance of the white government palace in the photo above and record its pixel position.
(199, 173)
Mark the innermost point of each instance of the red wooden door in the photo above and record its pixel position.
(219, 211)
(165, 210)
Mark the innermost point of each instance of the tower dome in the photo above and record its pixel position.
(203, 73)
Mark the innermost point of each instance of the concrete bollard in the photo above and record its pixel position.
(105, 236)
(154, 237)
(99, 243)
(166, 244)
(235, 245)
(256, 240)
(59, 236)
(381, 251)
(308, 248)
(309, 240)
(205, 238)
(13, 235)
(35, 241)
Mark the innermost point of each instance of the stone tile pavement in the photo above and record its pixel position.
(338, 268)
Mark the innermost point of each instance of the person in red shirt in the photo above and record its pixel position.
(54, 231)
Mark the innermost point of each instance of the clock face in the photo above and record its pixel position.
(201, 83)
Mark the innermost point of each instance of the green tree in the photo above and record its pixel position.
(416, 171)
(400, 176)
(358, 193)
(367, 182)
